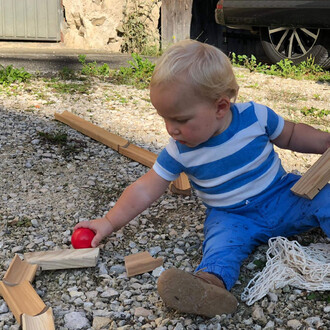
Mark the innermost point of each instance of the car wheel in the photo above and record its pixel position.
(296, 44)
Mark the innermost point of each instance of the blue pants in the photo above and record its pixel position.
(232, 234)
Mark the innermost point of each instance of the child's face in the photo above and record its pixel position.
(189, 119)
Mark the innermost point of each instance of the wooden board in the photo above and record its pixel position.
(314, 179)
(181, 185)
(97, 133)
(44, 321)
(140, 263)
(175, 21)
(138, 154)
(19, 271)
(124, 147)
(64, 259)
(22, 299)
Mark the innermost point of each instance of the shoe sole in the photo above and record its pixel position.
(188, 294)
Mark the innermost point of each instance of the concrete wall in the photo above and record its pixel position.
(100, 24)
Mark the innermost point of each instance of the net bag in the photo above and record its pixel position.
(289, 263)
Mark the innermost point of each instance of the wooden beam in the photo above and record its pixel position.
(175, 21)
(97, 133)
(181, 185)
(317, 176)
(140, 263)
(44, 321)
(22, 299)
(138, 154)
(124, 147)
(64, 259)
(19, 271)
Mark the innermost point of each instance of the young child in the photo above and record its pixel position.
(226, 149)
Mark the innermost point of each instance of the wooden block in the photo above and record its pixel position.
(138, 154)
(140, 263)
(44, 321)
(19, 271)
(181, 185)
(64, 259)
(95, 132)
(317, 176)
(22, 299)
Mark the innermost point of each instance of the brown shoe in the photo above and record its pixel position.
(192, 294)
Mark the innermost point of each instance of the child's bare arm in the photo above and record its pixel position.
(303, 138)
(135, 199)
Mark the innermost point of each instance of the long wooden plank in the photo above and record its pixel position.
(317, 176)
(19, 271)
(22, 299)
(140, 263)
(64, 259)
(145, 157)
(44, 321)
(138, 154)
(181, 185)
(97, 133)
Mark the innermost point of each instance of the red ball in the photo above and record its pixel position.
(82, 238)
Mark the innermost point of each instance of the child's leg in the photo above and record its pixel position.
(296, 214)
(229, 239)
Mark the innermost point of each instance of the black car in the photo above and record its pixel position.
(288, 29)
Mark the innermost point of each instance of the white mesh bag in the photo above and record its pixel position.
(289, 263)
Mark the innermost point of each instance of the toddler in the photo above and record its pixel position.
(226, 149)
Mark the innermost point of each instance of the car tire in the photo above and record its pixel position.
(296, 44)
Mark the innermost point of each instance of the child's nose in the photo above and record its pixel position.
(172, 129)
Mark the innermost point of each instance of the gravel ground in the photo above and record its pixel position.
(48, 186)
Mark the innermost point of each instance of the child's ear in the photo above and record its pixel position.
(222, 106)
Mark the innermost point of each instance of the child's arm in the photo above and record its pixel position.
(135, 199)
(302, 138)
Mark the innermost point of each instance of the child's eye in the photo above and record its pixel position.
(182, 121)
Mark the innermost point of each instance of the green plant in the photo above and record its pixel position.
(67, 74)
(315, 112)
(260, 264)
(137, 37)
(92, 68)
(57, 138)
(9, 75)
(70, 88)
(138, 73)
(285, 68)
(24, 222)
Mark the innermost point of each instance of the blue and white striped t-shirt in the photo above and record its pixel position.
(233, 166)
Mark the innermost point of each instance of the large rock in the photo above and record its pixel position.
(99, 24)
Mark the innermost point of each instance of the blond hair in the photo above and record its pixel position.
(205, 67)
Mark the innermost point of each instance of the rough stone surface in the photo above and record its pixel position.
(99, 24)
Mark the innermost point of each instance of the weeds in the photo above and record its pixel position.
(314, 112)
(67, 74)
(285, 68)
(67, 148)
(137, 38)
(69, 88)
(9, 75)
(92, 69)
(59, 138)
(138, 73)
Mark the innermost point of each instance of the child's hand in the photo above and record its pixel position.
(101, 227)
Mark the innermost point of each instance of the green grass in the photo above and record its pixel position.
(69, 87)
(93, 69)
(314, 112)
(9, 75)
(138, 73)
(285, 68)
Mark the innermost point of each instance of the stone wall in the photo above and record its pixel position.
(101, 24)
